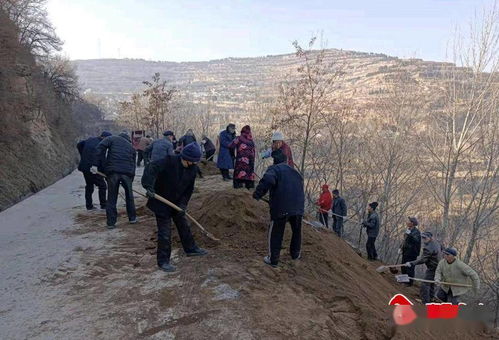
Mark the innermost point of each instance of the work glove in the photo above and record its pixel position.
(150, 193)
(408, 231)
(255, 196)
(94, 170)
(408, 264)
(399, 251)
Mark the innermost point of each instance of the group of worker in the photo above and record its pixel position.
(171, 171)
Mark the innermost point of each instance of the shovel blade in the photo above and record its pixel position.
(404, 278)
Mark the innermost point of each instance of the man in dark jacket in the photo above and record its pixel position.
(287, 201)
(119, 167)
(209, 148)
(161, 148)
(173, 178)
(431, 256)
(88, 152)
(411, 246)
(372, 230)
(339, 212)
(187, 139)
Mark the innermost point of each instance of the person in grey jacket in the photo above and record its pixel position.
(431, 256)
(339, 212)
(372, 230)
(161, 148)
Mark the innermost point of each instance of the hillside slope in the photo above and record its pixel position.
(38, 129)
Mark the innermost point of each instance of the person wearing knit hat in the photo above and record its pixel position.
(173, 177)
(411, 246)
(278, 143)
(325, 203)
(451, 269)
(372, 229)
(88, 152)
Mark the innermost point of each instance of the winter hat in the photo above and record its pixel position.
(325, 186)
(191, 153)
(231, 125)
(427, 234)
(279, 157)
(336, 192)
(246, 129)
(105, 134)
(413, 220)
(450, 251)
(277, 136)
(373, 205)
(168, 133)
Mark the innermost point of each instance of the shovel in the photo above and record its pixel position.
(381, 269)
(405, 278)
(170, 204)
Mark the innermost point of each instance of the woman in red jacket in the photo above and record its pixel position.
(325, 203)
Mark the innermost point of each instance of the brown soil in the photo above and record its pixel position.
(208, 168)
(332, 293)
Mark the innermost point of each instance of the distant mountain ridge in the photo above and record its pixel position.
(236, 81)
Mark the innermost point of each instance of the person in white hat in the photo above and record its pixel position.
(278, 143)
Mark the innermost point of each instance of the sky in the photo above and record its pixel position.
(196, 30)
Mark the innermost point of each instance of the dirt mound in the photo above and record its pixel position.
(331, 293)
(208, 168)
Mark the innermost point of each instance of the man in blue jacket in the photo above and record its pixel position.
(225, 159)
(372, 229)
(119, 167)
(161, 148)
(287, 201)
(88, 152)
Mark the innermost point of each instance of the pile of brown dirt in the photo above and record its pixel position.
(331, 293)
(208, 168)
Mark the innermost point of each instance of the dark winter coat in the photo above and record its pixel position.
(286, 191)
(412, 244)
(88, 154)
(168, 178)
(225, 158)
(186, 140)
(120, 155)
(208, 145)
(339, 206)
(431, 255)
(372, 224)
(160, 148)
(245, 157)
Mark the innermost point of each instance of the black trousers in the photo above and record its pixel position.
(140, 157)
(371, 248)
(210, 153)
(225, 173)
(276, 234)
(92, 180)
(324, 218)
(165, 234)
(147, 157)
(338, 225)
(409, 270)
(447, 296)
(113, 182)
(427, 290)
(239, 183)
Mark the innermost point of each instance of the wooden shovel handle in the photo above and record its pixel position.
(442, 283)
(170, 204)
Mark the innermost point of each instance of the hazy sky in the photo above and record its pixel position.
(183, 30)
